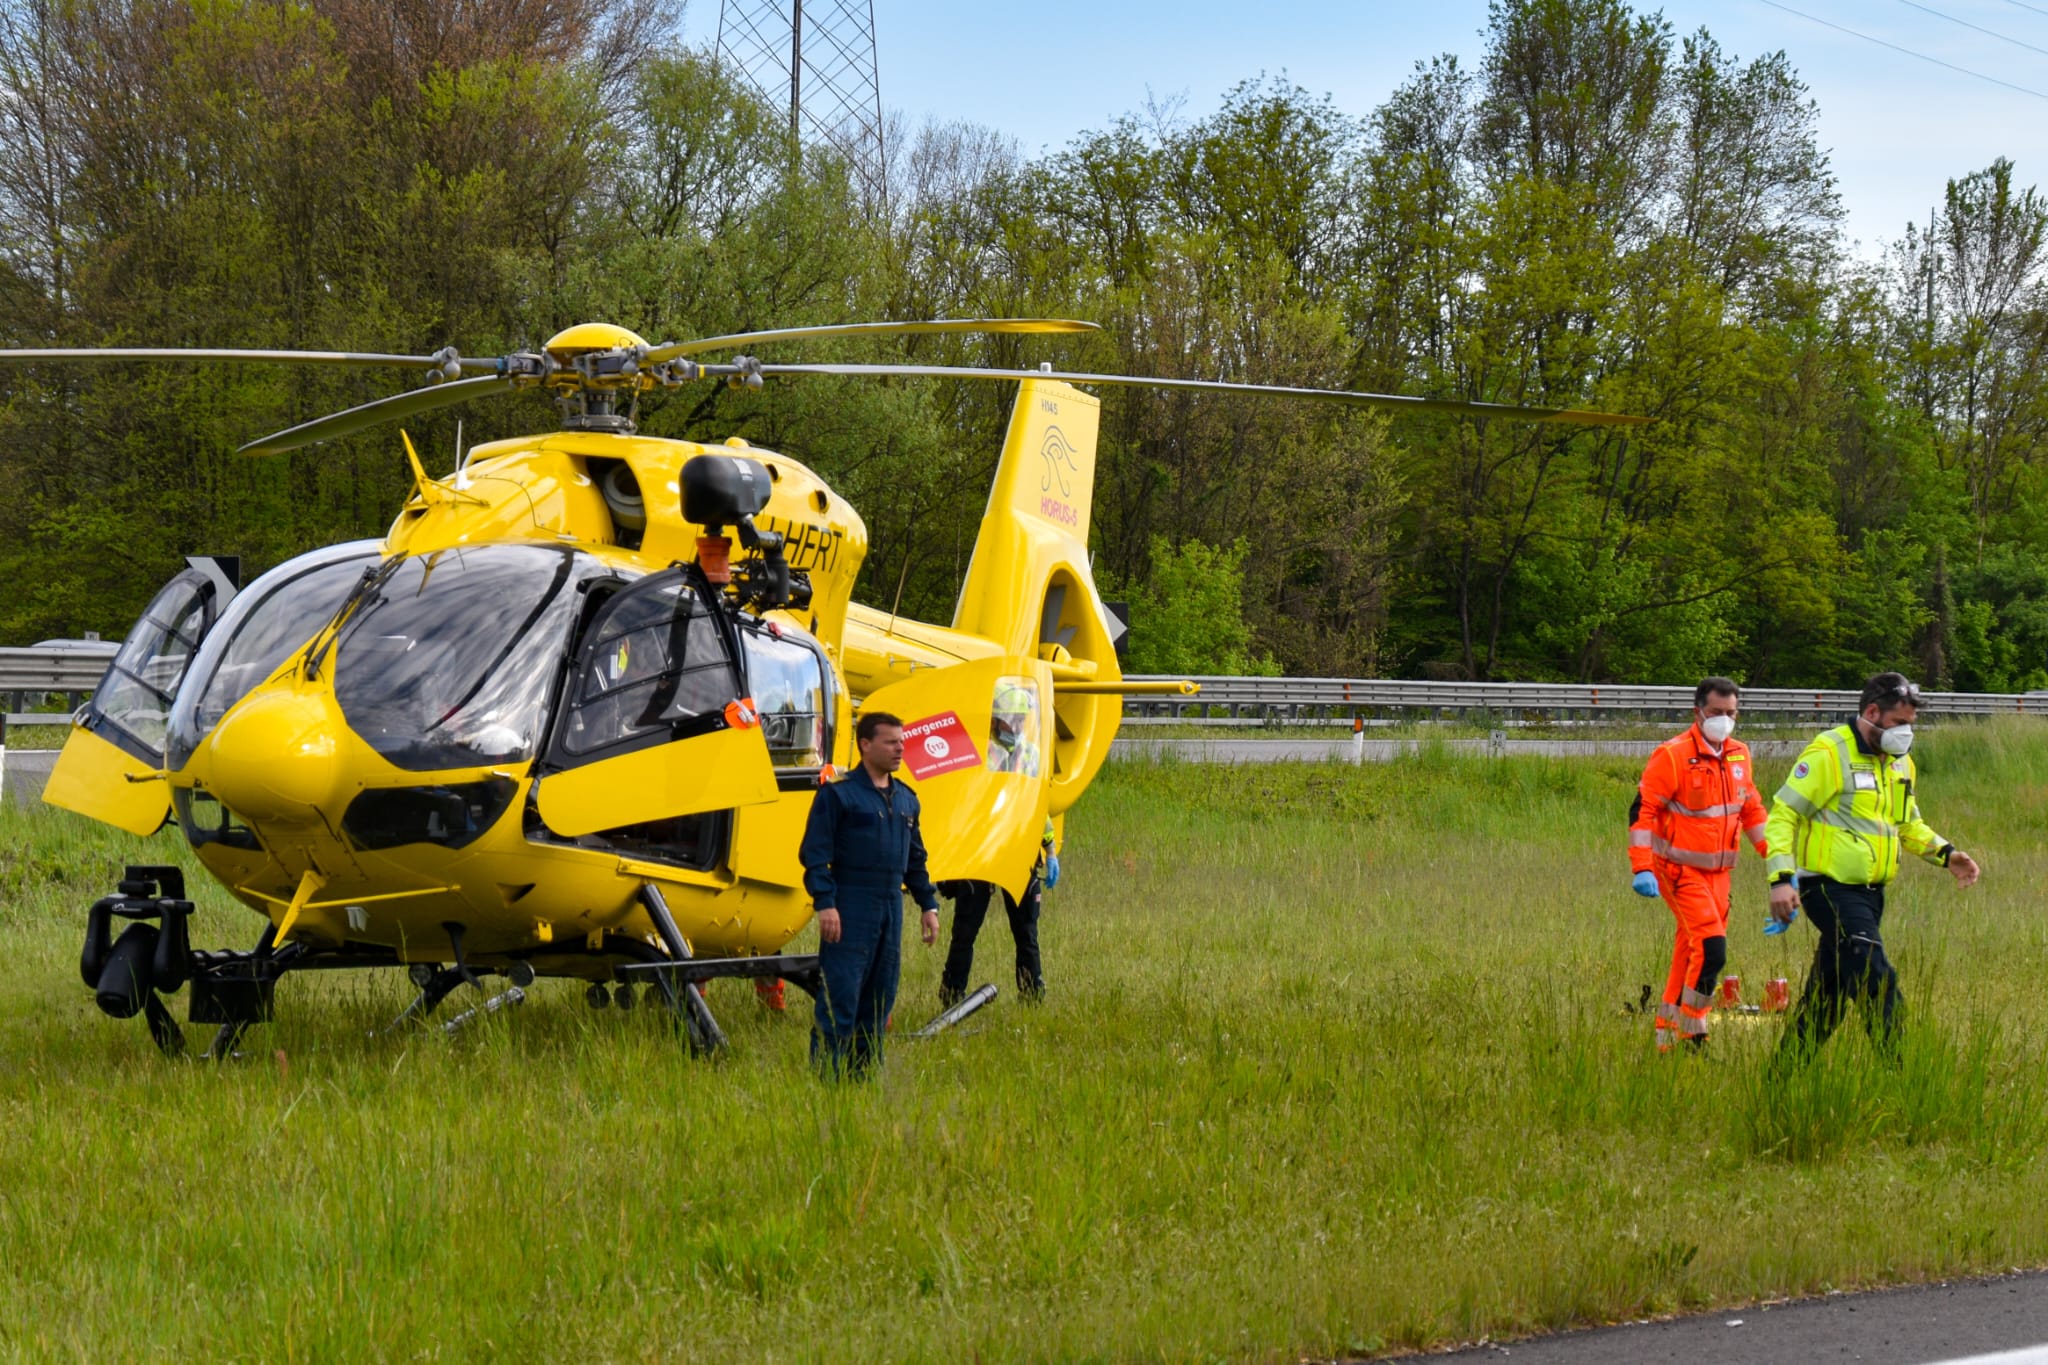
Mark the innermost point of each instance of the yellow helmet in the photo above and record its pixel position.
(1014, 705)
(1015, 699)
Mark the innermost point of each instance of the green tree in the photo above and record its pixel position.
(1189, 618)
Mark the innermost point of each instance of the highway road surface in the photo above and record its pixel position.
(22, 772)
(2002, 1321)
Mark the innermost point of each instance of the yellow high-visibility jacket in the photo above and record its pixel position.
(1848, 815)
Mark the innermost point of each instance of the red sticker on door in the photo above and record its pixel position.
(938, 744)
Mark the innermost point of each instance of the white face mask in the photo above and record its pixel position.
(1896, 741)
(1717, 728)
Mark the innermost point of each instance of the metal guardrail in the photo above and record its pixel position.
(1340, 699)
(1358, 749)
(74, 673)
(53, 670)
(32, 677)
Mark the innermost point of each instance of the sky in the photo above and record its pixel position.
(1897, 125)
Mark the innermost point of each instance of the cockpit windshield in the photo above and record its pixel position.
(271, 619)
(451, 660)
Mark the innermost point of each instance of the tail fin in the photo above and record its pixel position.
(1029, 586)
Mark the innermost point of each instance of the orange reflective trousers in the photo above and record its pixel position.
(1699, 902)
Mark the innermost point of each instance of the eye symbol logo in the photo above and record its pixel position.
(1058, 454)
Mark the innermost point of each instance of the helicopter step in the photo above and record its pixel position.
(798, 968)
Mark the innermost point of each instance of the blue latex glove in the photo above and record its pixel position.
(1645, 884)
(1052, 870)
(1771, 925)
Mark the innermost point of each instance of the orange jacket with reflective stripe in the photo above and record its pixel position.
(1693, 805)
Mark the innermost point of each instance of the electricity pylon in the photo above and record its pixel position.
(819, 57)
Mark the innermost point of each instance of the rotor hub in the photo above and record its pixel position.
(592, 336)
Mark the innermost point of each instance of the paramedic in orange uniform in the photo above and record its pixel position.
(1697, 798)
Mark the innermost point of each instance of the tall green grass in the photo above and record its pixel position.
(1335, 1060)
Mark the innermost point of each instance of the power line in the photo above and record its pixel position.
(1960, 70)
(2022, 4)
(1992, 33)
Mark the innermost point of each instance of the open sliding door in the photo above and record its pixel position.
(977, 746)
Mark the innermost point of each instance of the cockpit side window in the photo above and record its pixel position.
(133, 702)
(790, 683)
(654, 666)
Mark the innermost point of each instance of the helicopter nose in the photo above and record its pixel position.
(277, 755)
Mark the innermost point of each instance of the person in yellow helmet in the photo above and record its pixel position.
(1838, 832)
(1013, 730)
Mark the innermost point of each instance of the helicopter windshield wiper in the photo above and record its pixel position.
(511, 643)
(372, 580)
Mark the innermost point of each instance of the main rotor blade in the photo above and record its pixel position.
(1034, 326)
(190, 353)
(1397, 402)
(384, 410)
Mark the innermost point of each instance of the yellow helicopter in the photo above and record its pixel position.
(551, 725)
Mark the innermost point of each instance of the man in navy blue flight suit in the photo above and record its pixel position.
(862, 850)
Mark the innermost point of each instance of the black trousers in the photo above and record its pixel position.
(1849, 963)
(970, 908)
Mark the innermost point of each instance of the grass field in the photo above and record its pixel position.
(1333, 1063)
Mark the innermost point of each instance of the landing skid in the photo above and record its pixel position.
(681, 978)
(681, 985)
(234, 989)
(437, 983)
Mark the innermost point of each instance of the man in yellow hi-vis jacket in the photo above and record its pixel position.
(1839, 828)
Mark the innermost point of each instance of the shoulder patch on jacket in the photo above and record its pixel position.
(1803, 769)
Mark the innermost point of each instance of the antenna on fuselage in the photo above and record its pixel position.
(900, 578)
